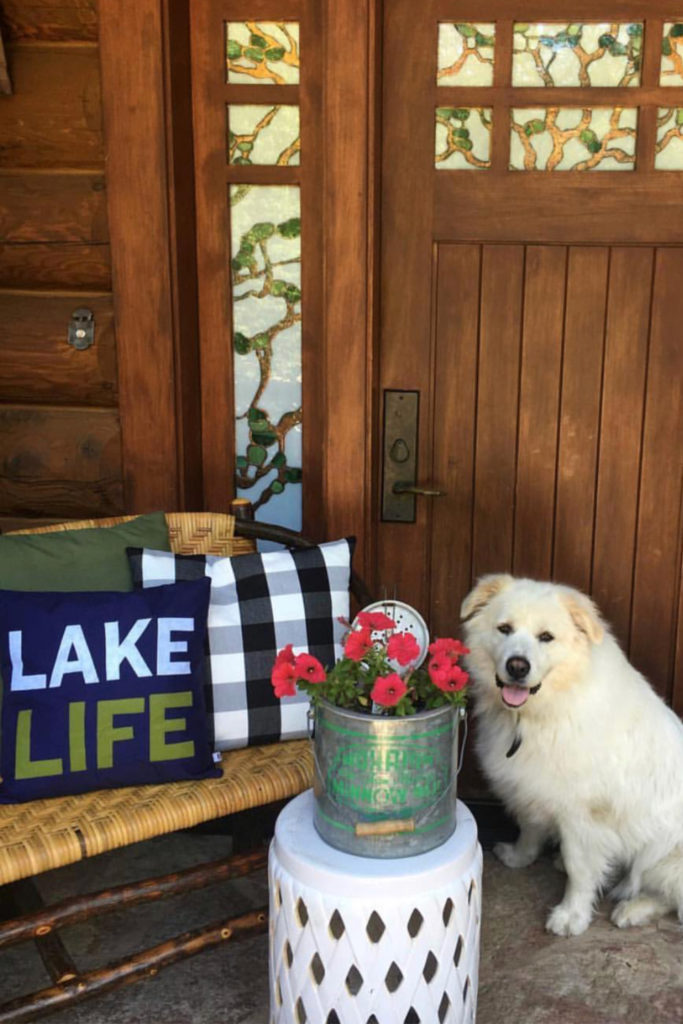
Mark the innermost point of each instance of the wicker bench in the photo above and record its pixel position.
(47, 834)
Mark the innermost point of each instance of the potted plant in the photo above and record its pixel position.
(385, 741)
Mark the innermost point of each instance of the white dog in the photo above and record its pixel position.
(579, 748)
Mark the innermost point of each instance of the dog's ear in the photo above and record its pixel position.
(585, 615)
(486, 588)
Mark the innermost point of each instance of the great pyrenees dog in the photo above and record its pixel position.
(579, 747)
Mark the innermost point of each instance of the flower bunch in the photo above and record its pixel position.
(377, 673)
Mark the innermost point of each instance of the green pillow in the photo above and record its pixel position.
(92, 559)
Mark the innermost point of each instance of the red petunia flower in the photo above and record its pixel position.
(358, 643)
(403, 648)
(439, 669)
(285, 655)
(455, 680)
(388, 690)
(309, 669)
(448, 647)
(283, 678)
(376, 620)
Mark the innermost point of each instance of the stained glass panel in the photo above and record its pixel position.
(262, 52)
(463, 138)
(266, 294)
(465, 53)
(573, 139)
(263, 134)
(669, 145)
(672, 54)
(577, 54)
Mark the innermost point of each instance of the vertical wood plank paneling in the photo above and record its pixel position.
(405, 355)
(497, 407)
(457, 325)
(677, 695)
(138, 220)
(584, 330)
(657, 548)
(628, 312)
(544, 291)
(349, 267)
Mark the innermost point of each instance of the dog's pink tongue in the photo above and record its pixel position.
(515, 695)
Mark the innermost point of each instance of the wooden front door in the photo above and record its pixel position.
(532, 260)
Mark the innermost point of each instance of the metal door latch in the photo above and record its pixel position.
(81, 333)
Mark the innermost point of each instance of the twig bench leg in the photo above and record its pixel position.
(135, 968)
(43, 922)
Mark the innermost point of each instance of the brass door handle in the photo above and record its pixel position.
(405, 487)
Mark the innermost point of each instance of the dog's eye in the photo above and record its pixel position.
(505, 628)
(546, 637)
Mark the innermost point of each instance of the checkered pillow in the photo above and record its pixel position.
(258, 604)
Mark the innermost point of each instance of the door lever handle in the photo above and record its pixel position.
(405, 487)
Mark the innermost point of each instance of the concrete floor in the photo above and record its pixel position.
(605, 976)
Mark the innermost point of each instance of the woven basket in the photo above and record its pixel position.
(45, 834)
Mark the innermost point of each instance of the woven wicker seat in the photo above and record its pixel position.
(46, 834)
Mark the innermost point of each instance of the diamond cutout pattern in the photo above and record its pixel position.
(375, 927)
(430, 967)
(415, 923)
(354, 981)
(394, 977)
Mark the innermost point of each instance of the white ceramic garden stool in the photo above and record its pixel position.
(360, 940)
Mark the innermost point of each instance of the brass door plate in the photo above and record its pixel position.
(399, 463)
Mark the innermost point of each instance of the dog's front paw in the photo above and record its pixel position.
(512, 856)
(564, 920)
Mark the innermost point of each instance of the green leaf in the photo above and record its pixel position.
(292, 294)
(521, 27)
(618, 49)
(245, 147)
(466, 30)
(635, 29)
(445, 112)
(676, 30)
(254, 54)
(461, 113)
(606, 40)
(268, 438)
(231, 137)
(242, 344)
(260, 232)
(241, 462)
(575, 30)
(261, 340)
(241, 160)
(255, 414)
(234, 49)
(277, 487)
(278, 460)
(258, 41)
(290, 228)
(462, 144)
(461, 133)
(256, 455)
(534, 127)
(275, 53)
(293, 475)
(482, 40)
(587, 136)
(679, 115)
(594, 147)
(666, 48)
(278, 288)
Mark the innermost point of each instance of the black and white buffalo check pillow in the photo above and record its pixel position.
(258, 604)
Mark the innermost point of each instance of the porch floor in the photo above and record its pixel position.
(605, 976)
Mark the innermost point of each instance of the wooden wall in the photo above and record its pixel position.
(60, 448)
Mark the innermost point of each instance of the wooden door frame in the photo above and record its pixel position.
(145, 55)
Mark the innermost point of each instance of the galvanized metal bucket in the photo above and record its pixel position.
(385, 786)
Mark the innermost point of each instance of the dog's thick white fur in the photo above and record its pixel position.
(579, 747)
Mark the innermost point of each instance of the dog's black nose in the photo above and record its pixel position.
(517, 668)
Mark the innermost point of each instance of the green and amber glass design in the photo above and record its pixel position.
(573, 139)
(262, 52)
(577, 54)
(671, 72)
(265, 231)
(463, 138)
(669, 144)
(264, 135)
(465, 53)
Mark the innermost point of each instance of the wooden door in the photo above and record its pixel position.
(532, 259)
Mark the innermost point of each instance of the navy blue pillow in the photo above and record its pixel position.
(102, 689)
